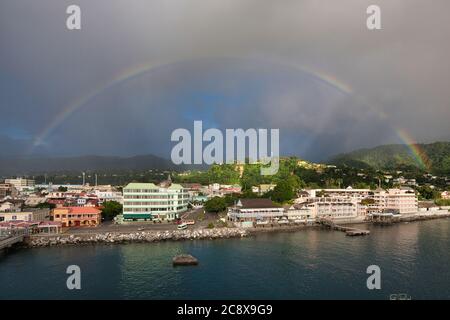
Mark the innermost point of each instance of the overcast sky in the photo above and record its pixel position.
(310, 68)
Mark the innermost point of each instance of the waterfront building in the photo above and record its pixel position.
(150, 202)
(347, 192)
(301, 212)
(246, 212)
(27, 227)
(335, 208)
(77, 216)
(352, 203)
(402, 200)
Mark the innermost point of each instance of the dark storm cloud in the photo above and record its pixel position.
(222, 49)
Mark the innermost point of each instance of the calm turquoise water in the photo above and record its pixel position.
(414, 259)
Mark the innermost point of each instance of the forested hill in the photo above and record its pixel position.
(435, 156)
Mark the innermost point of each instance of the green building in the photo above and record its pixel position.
(150, 202)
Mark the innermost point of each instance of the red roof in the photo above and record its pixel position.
(17, 224)
(50, 223)
(81, 210)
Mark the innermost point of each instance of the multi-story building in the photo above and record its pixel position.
(7, 189)
(336, 208)
(34, 215)
(352, 203)
(248, 211)
(402, 201)
(77, 216)
(301, 212)
(11, 205)
(110, 195)
(147, 201)
(21, 183)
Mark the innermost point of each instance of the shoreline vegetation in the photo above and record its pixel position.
(179, 235)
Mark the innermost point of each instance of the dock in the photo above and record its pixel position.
(351, 232)
(10, 237)
(7, 242)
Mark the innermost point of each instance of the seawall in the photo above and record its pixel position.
(142, 236)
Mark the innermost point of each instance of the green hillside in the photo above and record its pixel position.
(434, 157)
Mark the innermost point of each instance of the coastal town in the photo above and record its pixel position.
(166, 209)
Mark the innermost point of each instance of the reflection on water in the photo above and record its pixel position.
(303, 265)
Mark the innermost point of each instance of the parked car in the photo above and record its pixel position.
(182, 226)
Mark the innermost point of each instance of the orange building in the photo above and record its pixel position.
(77, 216)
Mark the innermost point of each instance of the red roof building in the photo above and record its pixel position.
(77, 216)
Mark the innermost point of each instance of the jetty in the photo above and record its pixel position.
(184, 260)
(349, 231)
(9, 241)
(12, 236)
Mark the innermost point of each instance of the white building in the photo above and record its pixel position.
(21, 183)
(336, 208)
(111, 195)
(147, 201)
(357, 203)
(301, 213)
(11, 206)
(248, 211)
(403, 201)
(28, 216)
(349, 192)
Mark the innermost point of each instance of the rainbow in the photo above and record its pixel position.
(78, 103)
(136, 71)
(420, 156)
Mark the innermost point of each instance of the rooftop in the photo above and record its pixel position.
(256, 203)
(137, 186)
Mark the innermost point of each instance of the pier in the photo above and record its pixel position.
(10, 237)
(7, 242)
(351, 232)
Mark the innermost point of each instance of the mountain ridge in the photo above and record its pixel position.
(19, 165)
(433, 157)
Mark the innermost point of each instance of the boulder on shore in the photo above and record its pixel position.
(184, 260)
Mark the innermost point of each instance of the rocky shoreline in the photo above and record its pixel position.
(142, 236)
(178, 235)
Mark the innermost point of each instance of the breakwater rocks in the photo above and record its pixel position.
(141, 236)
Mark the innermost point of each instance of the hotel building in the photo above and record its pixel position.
(248, 211)
(147, 201)
(356, 203)
(402, 201)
